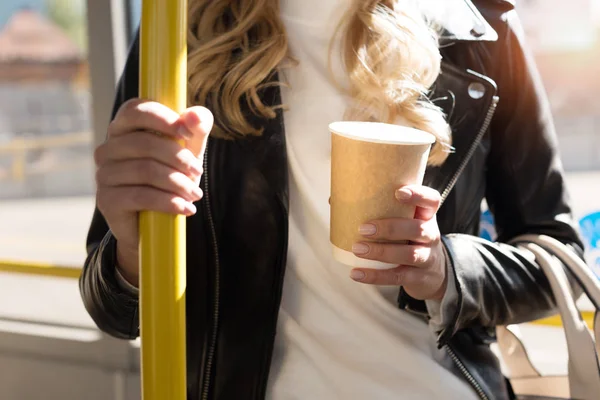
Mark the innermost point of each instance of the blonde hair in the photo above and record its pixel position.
(388, 50)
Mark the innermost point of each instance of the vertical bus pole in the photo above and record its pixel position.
(163, 78)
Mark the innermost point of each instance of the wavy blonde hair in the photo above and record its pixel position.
(389, 52)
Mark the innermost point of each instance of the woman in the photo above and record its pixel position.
(255, 191)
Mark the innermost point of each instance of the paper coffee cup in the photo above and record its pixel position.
(369, 162)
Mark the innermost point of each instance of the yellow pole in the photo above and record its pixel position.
(163, 78)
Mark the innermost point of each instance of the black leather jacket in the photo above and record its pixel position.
(237, 242)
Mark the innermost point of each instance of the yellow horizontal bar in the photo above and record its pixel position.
(588, 317)
(39, 269)
(32, 143)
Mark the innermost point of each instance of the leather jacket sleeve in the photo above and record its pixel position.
(496, 282)
(113, 308)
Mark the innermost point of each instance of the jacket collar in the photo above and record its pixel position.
(459, 20)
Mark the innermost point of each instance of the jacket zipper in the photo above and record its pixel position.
(466, 373)
(213, 339)
(484, 127)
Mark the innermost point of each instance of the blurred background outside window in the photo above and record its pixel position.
(564, 37)
(44, 100)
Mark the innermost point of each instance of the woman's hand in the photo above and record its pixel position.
(422, 262)
(141, 166)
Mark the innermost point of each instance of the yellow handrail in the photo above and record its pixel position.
(20, 146)
(33, 143)
(555, 320)
(39, 269)
(163, 78)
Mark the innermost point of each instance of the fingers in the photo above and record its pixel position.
(140, 130)
(420, 259)
(199, 122)
(152, 160)
(426, 199)
(421, 229)
(144, 145)
(143, 115)
(193, 125)
(398, 229)
(399, 276)
(401, 254)
(418, 283)
(139, 198)
(145, 172)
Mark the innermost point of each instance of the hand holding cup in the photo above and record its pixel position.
(377, 173)
(421, 262)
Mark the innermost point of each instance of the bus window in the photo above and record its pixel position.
(49, 346)
(46, 168)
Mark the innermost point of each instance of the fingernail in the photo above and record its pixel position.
(183, 132)
(198, 192)
(191, 117)
(190, 208)
(403, 194)
(360, 248)
(367, 229)
(357, 275)
(196, 167)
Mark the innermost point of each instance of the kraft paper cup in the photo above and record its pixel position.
(369, 162)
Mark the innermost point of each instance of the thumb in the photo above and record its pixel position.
(198, 121)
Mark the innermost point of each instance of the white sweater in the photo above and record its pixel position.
(336, 338)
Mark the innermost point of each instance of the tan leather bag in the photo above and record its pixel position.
(583, 379)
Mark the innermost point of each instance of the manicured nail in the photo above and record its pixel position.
(403, 194)
(183, 132)
(197, 192)
(360, 248)
(196, 167)
(367, 229)
(190, 208)
(357, 275)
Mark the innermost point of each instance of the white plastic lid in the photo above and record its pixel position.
(379, 132)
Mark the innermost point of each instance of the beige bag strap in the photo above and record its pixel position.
(514, 354)
(580, 270)
(597, 330)
(584, 369)
(524, 377)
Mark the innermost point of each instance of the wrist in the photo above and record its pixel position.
(439, 294)
(127, 265)
(444, 265)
